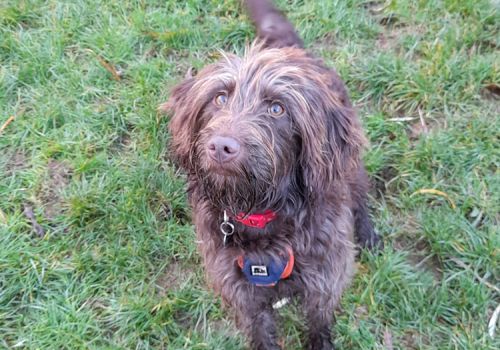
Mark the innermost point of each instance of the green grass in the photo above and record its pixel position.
(117, 267)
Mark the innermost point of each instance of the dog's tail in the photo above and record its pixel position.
(272, 25)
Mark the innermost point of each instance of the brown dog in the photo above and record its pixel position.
(271, 146)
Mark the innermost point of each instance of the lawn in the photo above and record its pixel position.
(96, 246)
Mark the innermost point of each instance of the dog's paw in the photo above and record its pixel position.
(372, 243)
(320, 343)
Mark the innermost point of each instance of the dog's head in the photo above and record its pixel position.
(273, 127)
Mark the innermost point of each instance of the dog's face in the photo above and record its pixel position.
(259, 129)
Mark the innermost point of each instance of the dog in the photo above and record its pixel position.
(271, 147)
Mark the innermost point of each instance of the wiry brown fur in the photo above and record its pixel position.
(305, 165)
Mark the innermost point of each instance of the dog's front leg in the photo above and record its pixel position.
(260, 327)
(320, 319)
(254, 315)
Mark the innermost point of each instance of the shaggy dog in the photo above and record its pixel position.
(271, 147)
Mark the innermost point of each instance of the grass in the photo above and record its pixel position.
(117, 267)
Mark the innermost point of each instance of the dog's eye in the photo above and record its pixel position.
(220, 99)
(276, 109)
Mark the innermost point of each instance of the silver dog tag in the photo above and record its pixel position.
(226, 227)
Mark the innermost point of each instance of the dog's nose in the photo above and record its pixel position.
(223, 149)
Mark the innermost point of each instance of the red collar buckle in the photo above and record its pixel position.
(256, 220)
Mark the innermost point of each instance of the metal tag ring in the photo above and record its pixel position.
(227, 228)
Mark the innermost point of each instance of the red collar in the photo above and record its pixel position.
(256, 220)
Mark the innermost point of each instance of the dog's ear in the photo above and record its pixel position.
(332, 140)
(182, 122)
(273, 28)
